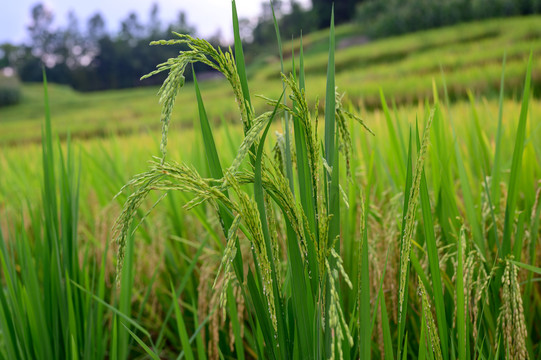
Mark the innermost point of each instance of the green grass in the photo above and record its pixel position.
(43, 312)
(386, 243)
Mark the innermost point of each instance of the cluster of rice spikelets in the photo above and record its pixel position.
(476, 281)
(430, 324)
(511, 320)
(337, 321)
(410, 216)
(200, 51)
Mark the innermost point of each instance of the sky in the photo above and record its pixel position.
(208, 16)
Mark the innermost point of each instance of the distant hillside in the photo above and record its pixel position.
(405, 68)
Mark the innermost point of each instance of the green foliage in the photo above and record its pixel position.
(42, 314)
(10, 91)
(91, 59)
(393, 17)
(54, 300)
(343, 11)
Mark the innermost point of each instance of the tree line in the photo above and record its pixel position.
(382, 18)
(89, 57)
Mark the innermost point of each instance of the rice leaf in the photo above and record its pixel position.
(181, 327)
(262, 315)
(528, 267)
(387, 340)
(213, 160)
(239, 56)
(433, 262)
(259, 199)
(330, 100)
(216, 172)
(469, 202)
(460, 298)
(148, 350)
(393, 135)
(423, 342)
(364, 288)
(183, 283)
(496, 164)
(113, 309)
(235, 322)
(287, 130)
(516, 164)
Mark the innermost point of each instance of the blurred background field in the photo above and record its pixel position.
(108, 160)
(468, 56)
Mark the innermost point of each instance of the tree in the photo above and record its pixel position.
(71, 45)
(296, 20)
(181, 25)
(9, 55)
(344, 10)
(49, 46)
(40, 30)
(93, 59)
(131, 30)
(96, 28)
(154, 27)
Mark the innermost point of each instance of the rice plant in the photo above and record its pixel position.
(290, 283)
(43, 314)
(337, 246)
(54, 302)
